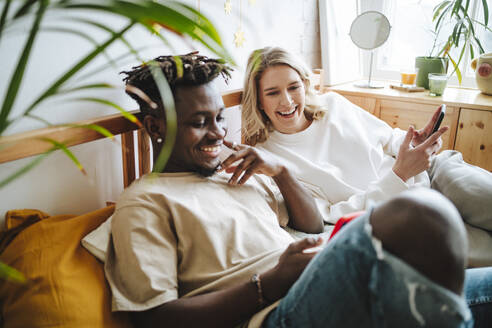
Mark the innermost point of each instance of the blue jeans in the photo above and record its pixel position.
(353, 282)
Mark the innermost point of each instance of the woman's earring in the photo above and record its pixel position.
(159, 140)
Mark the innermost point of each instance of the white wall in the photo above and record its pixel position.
(56, 186)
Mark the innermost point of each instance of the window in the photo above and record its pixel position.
(411, 36)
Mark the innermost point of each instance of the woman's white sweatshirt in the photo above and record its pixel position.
(345, 159)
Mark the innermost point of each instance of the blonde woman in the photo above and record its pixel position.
(347, 157)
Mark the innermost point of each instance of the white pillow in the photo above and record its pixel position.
(97, 241)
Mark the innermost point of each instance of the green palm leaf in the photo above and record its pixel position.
(439, 8)
(483, 25)
(456, 68)
(129, 116)
(77, 67)
(102, 130)
(40, 119)
(3, 17)
(56, 145)
(24, 169)
(485, 12)
(82, 35)
(107, 29)
(18, 75)
(171, 14)
(9, 273)
(104, 67)
(171, 119)
(87, 86)
(24, 9)
(64, 148)
(456, 7)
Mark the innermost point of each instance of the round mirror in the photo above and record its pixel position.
(370, 30)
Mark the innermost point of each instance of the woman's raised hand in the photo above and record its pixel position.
(419, 136)
(251, 161)
(414, 160)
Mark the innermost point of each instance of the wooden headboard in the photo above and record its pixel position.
(31, 143)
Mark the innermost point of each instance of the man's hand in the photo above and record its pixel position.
(303, 212)
(411, 161)
(252, 161)
(278, 280)
(419, 136)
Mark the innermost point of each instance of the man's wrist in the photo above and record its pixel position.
(256, 280)
(269, 286)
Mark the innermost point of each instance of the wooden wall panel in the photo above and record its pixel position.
(474, 137)
(369, 104)
(403, 114)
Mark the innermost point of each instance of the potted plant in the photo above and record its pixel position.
(461, 35)
(173, 16)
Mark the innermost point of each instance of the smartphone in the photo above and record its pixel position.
(439, 119)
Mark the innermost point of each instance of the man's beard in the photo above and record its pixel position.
(206, 172)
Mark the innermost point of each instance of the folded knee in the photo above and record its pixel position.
(424, 229)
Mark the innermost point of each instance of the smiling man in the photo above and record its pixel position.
(197, 246)
(196, 148)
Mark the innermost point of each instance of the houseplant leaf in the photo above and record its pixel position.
(439, 8)
(462, 36)
(83, 35)
(171, 119)
(129, 116)
(107, 29)
(77, 67)
(18, 75)
(101, 130)
(171, 14)
(485, 12)
(24, 9)
(9, 273)
(456, 7)
(87, 86)
(3, 17)
(64, 148)
(24, 169)
(174, 16)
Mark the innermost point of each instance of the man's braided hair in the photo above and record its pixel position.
(196, 70)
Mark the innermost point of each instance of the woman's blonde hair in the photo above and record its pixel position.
(256, 123)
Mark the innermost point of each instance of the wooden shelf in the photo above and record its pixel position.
(458, 97)
(468, 115)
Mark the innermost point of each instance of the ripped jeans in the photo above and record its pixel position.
(353, 282)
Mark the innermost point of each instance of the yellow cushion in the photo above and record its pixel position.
(66, 285)
(15, 218)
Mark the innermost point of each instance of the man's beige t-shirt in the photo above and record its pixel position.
(180, 234)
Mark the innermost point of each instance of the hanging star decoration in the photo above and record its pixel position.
(228, 7)
(239, 38)
(252, 2)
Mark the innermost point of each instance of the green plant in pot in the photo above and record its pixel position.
(429, 64)
(36, 15)
(454, 25)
